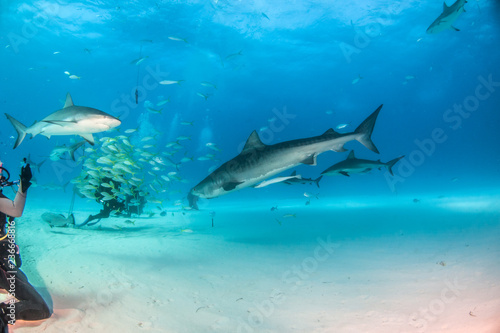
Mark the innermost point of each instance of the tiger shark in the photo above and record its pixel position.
(258, 161)
(70, 120)
(356, 165)
(447, 17)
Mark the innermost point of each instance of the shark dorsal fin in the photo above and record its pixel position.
(253, 142)
(351, 155)
(69, 101)
(329, 131)
(293, 173)
(445, 6)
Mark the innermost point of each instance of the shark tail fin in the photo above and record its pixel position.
(365, 130)
(20, 129)
(39, 165)
(74, 148)
(316, 181)
(391, 163)
(193, 200)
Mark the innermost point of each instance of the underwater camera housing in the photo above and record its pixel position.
(4, 180)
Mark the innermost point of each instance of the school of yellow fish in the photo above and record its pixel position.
(140, 169)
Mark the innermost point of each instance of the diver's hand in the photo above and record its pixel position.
(26, 176)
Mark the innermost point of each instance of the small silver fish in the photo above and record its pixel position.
(356, 80)
(58, 220)
(138, 61)
(202, 95)
(310, 195)
(163, 102)
(167, 82)
(177, 39)
(208, 84)
(212, 146)
(341, 126)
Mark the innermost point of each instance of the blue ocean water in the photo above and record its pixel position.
(297, 60)
(288, 69)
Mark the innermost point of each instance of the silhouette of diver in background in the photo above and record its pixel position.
(125, 207)
(27, 304)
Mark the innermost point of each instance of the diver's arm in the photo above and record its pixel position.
(13, 208)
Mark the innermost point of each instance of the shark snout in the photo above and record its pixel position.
(112, 121)
(199, 192)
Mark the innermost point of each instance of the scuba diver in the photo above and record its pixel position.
(26, 304)
(130, 205)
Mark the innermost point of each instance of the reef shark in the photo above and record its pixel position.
(356, 165)
(58, 152)
(70, 120)
(258, 161)
(301, 180)
(447, 17)
(33, 163)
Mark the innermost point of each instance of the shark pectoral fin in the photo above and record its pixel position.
(367, 170)
(344, 173)
(88, 137)
(230, 186)
(311, 160)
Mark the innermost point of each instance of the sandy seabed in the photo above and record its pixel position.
(398, 266)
